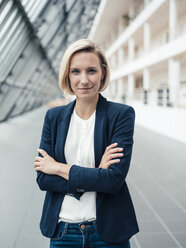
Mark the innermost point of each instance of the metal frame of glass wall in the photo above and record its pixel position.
(33, 38)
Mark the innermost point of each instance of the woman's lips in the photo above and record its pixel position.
(85, 88)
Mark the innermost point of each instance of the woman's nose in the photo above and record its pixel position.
(84, 78)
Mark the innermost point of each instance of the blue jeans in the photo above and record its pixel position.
(80, 235)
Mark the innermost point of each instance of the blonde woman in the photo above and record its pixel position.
(84, 158)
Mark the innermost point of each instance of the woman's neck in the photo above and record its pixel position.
(85, 109)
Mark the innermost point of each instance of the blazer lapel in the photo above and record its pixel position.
(100, 140)
(62, 130)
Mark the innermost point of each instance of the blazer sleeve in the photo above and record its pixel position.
(51, 182)
(82, 179)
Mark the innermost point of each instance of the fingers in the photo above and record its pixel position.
(113, 158)
(37, 166)
(115, 150)
(115, 155)
(110, 162)
(111, 146)
(38, 159)
(42, 152)
(112, 155)
(112, 149)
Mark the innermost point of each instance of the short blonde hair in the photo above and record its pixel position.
(83, 45)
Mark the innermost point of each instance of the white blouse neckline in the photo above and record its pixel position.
(76, 116)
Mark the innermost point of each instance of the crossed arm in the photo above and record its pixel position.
(46, 164)
(107, 178)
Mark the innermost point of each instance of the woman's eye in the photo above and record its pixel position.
(75, 71)
(91, 71)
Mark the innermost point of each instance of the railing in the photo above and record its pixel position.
(159, 40)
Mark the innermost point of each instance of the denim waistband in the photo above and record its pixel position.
(81, 225)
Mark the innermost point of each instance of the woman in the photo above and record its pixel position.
(84, 158)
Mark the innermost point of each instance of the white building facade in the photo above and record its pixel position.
(145, 43)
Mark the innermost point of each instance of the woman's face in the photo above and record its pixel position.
(85, 75)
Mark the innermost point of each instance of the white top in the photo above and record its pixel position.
(79, 150)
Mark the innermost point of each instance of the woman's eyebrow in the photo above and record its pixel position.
(71, 68)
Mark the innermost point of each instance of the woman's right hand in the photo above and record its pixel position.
(111, 155)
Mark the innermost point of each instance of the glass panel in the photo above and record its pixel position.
(35, 13)
(29, 6)
(14, 49)
(8, 23)
(8, 36)
(24, 2)
(5, 11)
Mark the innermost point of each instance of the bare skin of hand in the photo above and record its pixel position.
(48, 165)
(111, 156)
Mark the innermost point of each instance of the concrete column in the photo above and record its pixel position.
(120, 89)
(113, 89)
(130, 92)
(120, 56)
(174, 81)
(113, 35)
(121, 26)
(146, 2)
(131, 9)
(107, 91)
(131, 48)
(113, 61)
(146, 79)
(146, 85)
(172, 19)
(146, 36)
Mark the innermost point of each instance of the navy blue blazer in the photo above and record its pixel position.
(116, 219)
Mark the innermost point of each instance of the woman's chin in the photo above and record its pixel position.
(86, 96)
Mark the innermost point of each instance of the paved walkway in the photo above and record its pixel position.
(157, 181)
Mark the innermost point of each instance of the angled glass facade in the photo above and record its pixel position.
(33, 37)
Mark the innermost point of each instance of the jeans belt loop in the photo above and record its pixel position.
(65, 228)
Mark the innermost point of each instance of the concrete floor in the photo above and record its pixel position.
(157, 181)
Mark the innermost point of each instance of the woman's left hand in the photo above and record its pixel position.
(46, 164)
